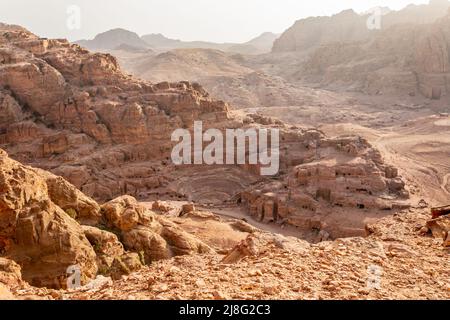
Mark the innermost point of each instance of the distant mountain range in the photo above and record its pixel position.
(408, 56)
(113, 39)
(121, 39)
(349, 26)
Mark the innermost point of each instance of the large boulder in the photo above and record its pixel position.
(10, 273)
(106, 246)
(84, 209)
(142, 230)
(112, 260)
(125, 264)
(125, 213)
(180, 242)
(144, 239)
(36, 233)
(440, 228)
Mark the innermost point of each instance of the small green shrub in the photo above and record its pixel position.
(142, 257)
(72, 213)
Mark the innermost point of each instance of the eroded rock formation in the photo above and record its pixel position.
(41, 229)
(35, 232)
(335, 181)
(78, 115)
(144, 231)
(392, 262)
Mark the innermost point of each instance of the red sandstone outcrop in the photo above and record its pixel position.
(333, 174)
(103, 131)
(35, 232)
(392, 262)
(109, 134)
(10, 273)
(41, 229)
(144, 231)
(440, 228)
(106, 245)
(85, 210)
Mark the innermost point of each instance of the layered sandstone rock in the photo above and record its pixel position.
(10, 273)
(106, 133)
(36, 233)
(42, 237)
(432, 59)
(144, 231)
(334, 174)
(112, 260)
(71, 200)
(106, 245)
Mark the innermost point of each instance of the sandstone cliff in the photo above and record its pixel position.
(402, 59)
(349, 26)
(38, 234)
(77, 114)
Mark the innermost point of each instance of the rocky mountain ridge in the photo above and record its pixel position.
(402, 59)
(349, 26)
(113, 39)
(124, 39)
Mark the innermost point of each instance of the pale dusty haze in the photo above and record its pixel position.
(219, 21)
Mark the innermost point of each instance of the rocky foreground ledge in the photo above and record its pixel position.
(127, 251)
(47, 226)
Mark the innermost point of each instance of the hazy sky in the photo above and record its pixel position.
(212, 20)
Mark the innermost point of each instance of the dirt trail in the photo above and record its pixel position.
(238, 213)
(420, 149)
(422, 162)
